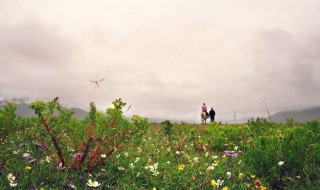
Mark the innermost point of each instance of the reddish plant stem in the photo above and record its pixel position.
(96, 150)
(43, 144)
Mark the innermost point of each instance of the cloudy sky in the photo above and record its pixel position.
(163, 57)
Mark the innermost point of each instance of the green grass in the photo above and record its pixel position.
(152, 155)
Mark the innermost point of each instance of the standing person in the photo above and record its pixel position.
(204, 109)
(212, 113)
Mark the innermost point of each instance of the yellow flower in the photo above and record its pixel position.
(27, 168)
(41, 188)
(224, 156)
(263, 188)
(213, 182)
(241, 175)
(253, 176)
(225, 188)
(181, 167)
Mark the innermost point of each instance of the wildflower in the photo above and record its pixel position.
(118, 155)
(213, 182)
(229, 174)
(154, 166)
(41, 188)
(241, 175)
(126, 154)
(121, 168)
(257, 183)
(102, 169)
(178, 152)
(214, 157)
(11, 177)
(154, 188)
(25, 155)
(168, 149)
(81, 179)
(48, 159)
(16, 152)
(236, 148)
(263, 188)
(13, 184)
(138, 174)
(225, 188)
(27, 168)
(61, 167)
(155, 172)
(196, 159)
(207, 154)
(168, 163)
(137, 159)
(219, 182)
(139, 149)
(253, 176)
(93, 184)
(23, 144)
(131, 165)
(280, 163)
(181, 167)
(103, 155)
(210, 168)
(230, 153)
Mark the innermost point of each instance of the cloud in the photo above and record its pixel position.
(286, 68)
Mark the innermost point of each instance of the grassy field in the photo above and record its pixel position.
(107, 151)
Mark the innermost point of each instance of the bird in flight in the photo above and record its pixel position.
(97, 82)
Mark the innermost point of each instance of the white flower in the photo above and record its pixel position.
(25, 155)
(280, 163)
(196, 159)
(138, 174)
(207, 154)
(168, 163)
(177, 152)
(219, 182)
(126, 154)
(118, 155)
(131, 165)
(11, 177)
(214, 157)
(139, 149)
(236, 148)
(48, 159)
(229, 174)
(103, 155)
(155, 173)
(61, 167)
(154, 166)
(93, 183)
(13, 184)
(121, 168)
(137, 159)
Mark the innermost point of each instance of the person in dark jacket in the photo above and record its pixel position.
(212, 113)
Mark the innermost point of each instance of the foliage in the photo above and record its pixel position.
(108, 151)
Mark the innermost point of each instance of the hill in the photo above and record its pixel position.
(297, 115)
(25, 111)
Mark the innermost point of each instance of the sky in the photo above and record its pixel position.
(164, 58)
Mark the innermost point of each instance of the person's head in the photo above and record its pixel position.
(211, 108)
(204, 103)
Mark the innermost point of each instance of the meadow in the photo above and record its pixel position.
(109, 151)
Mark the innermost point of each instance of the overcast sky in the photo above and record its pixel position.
(163, 57)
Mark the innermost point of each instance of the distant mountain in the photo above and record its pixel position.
(298, 115)
(25, 111)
